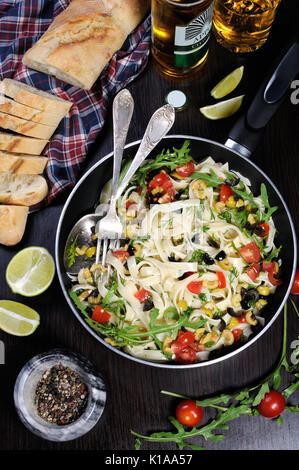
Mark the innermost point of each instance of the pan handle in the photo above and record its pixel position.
(246, 133)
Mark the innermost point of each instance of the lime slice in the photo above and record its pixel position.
(228, 83)
(31, 271)
(17, 319)
(223, 109)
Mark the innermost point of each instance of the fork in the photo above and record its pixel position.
(110, 227)
(123, 106)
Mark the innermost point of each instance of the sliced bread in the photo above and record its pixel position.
(31, 96)
(22, 190)
(20, 144)
(22, 164)
(9, 106)
(28, 128)
(12, 224)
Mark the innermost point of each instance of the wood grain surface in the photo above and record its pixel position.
(134, 400)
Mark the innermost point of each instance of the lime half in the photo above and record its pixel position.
(31, 271)
(17, 319)
(223, 109)
(228, 83)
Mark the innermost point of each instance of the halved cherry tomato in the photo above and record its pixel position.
(268, 266)
(295, 287)
(161, 179)
(221, 280)
(225, 192)
(272, 405)
(189, 413)
(253, 271)
(185, 338)
(186, 355)
(265, 228)
(131, 205)
(195, 287)
(250, 253)
(121, 255)
(185, 170)
(237, 333)
(100, 315)
(142, 295)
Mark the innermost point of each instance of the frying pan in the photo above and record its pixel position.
(242, 141)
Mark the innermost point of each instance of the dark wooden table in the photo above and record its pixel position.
(134, 400)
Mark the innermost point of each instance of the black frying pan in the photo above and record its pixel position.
(243, 139)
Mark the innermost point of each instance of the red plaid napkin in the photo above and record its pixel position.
(22, 22)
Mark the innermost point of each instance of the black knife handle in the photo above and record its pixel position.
(246, 133)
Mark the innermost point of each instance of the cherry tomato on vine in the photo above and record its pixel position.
(272, 405)
(295, 287)
(189, 413)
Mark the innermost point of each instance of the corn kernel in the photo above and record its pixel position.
(81, 251)
(263, 290)
(110, 341)
(166, 344)
(198, 333)
(240, 203)
(231, 203)
(90, 251)
(183, 304)
(233, 323)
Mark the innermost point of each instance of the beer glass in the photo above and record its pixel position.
(180, 34)
(243, 25)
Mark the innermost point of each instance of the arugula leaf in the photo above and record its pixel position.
(270, 210)
(71, 252)
(212, 179)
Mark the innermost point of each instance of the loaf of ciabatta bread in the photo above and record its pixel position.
(82, 39)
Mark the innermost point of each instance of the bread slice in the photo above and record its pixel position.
(20, 144)
(13, 221)
(30, 96)
(28, 128)
(9, 106)
(22, 190)
(22, 164)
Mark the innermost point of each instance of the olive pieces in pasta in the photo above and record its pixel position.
(196, 268)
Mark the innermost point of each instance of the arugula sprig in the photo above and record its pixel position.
(243, 402)
(71, 252)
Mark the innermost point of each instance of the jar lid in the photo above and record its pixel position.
(177, 99)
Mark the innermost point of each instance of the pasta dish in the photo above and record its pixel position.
(197, 264)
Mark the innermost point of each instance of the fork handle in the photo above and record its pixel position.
(123, 106)
(158, 126)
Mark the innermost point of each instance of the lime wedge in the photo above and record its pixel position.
(228, 83)
(223, 109)
(31, 271)
(17, 319)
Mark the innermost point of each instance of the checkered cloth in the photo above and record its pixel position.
(22, 22)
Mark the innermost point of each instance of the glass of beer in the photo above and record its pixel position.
(180, 35)
(243, 25)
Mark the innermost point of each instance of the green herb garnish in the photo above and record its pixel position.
(71, 252)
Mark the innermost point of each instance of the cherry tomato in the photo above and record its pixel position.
(185, 338)
(195, 287)
(131, 205)
(161, 179)
(265, 228)
(189, 413)
(100, 315)
(242, 319)
(253, 271)
(250, 253)
(186, 355)
(237, 333)
(221, 280)
(142, 295)
(121, 255)
(272, 405)
(295, 287)
(268, 266)
(225, 192)
(274, 280)
(185, 170)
